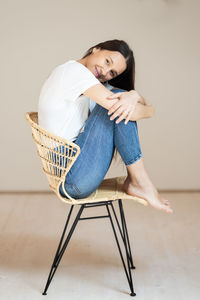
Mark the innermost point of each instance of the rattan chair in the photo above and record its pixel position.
(58, 156)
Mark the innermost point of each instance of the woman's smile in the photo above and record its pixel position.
(97, 72)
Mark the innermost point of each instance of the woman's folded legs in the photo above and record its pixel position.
(97, 148)
(137, 182)
(97, 141)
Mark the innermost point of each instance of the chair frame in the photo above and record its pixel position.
(64, 241)
(55, 180)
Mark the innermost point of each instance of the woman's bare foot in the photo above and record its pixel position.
(146, 191)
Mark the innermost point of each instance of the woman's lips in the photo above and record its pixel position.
(96, 71)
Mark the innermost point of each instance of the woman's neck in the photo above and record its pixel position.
(82, 61)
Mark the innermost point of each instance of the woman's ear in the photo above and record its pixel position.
(94, 50)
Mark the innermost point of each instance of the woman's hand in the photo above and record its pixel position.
(125, 106)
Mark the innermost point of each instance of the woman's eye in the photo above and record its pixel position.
(107, 60)
(112, 73)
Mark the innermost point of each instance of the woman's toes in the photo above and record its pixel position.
(166, 202)
(167, 208)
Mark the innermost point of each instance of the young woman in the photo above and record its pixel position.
(92, 102)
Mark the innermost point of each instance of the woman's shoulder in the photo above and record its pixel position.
(73, 64)
(74, 67)
(69, 64)
(75, 73)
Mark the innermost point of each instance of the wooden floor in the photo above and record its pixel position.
(166, 250)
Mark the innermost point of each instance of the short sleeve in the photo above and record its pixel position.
(76, 80)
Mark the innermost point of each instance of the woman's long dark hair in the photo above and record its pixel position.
(125, 80)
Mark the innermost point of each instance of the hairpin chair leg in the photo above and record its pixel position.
(123, 232)
(126, 232)
(60, 251)
(124, 236)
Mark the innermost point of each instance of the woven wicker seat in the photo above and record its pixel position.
(58, 156)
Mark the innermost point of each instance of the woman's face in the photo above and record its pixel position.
(105, 64)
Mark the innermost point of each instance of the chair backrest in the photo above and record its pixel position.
(57, 154)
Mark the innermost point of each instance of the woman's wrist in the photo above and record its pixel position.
(135, 95)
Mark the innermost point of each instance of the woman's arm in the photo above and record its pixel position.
(99, 94)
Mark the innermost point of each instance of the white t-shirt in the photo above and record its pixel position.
(62, 109)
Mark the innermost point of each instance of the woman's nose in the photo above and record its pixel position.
(105, 70)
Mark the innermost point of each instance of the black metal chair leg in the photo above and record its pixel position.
(126, 241)
(121, 233)
(126, 231)
(60, 251)
(127, 272)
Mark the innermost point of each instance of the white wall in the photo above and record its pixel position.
(38, 35)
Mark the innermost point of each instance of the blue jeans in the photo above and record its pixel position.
(97, 141)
